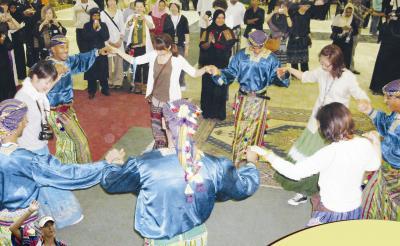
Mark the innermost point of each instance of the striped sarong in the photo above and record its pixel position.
(7, 218)
(250, 123)
(323, 217)
(72, 144)
(195, 237)
(381, 196)
(159, 135)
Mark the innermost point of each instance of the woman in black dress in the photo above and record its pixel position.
(387, 65)
(95, 34)
(299, 39)
(47, 28)
(215, 45)
(7, 83)
(17, 37)
(344, 28)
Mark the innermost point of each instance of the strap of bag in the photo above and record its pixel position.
(159, 73)
(109, 17)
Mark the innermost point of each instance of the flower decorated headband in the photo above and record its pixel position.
(181, 117)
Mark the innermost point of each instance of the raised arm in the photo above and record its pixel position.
(15, 227)
(81, 62)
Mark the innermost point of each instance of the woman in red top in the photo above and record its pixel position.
(158, 14)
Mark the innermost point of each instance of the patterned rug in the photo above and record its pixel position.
(285, 125)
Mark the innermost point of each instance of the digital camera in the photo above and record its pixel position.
(46, 133)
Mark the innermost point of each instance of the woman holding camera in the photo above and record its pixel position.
(42, 76)
(47, 28)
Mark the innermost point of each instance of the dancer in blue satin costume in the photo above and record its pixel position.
(23, 174)
(178, 186)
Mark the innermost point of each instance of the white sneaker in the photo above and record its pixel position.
(297, 199)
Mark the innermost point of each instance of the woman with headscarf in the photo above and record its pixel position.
(26, 175)
(158, 14)
(172, 210)
(47, 28)
(215, 47)
(344, 28)
(387, 62)
(95, 36)
(279, 23)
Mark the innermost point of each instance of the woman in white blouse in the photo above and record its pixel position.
(341, 165)
(336, 84)
(165, 67)
(114, 20)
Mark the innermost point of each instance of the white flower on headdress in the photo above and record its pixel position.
(183, 111)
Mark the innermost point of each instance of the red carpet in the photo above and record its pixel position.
(106, 119)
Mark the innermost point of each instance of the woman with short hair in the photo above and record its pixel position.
(341, 166)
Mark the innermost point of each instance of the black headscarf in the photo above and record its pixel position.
(214, 25)
(93, 11)
(279, 20)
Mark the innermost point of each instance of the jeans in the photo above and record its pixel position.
(374, 24)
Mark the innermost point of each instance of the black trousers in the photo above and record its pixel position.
(185, 5)
(80, 41)
(92, 86)
(142, 71)
(303, 66)
(194, 4)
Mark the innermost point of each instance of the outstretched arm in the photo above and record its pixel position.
(229, 74)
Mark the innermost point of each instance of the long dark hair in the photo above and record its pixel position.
(336, 59)
(163, 42)
(335, 122)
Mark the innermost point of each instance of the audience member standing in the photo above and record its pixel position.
(18, 40)
(32, 11)
(204, 8)
(387, 65)
(253, 17)
(47, 28)
(7, 83)
(114, 20)
(234, 20)
(96, 34)
(216, 45)
(344, 28)
(299, 39)
(279, 23)
(158, 14)
(177, 26)
(139, 43)
(81, 17)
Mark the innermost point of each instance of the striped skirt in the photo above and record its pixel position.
(72, 144)
(195, 237)
(250, 124)
(7, 218)
(381, 196)
(159, 135)
(323, 217)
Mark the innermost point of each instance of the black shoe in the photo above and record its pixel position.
(356, 72)
(91, 96)
(105, 93)
(377, 93)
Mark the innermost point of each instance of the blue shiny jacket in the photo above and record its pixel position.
(252, 75)
(26, 176)
(162, 211)
(62, 92)
(388, 127)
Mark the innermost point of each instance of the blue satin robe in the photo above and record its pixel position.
(26, 176)
(162, 211)
(388, 127)
(252, 76)
(62, 92)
